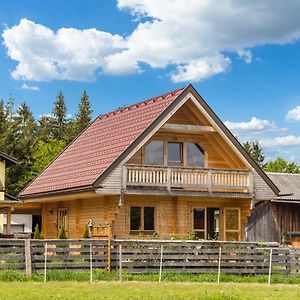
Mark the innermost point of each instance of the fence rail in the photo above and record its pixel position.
(146, 256)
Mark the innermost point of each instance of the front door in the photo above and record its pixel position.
(206, 223)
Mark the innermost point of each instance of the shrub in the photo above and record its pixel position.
(86, 234)
(37, 235)
(62, 235)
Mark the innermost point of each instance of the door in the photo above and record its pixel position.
(206, 224)
(232, 224)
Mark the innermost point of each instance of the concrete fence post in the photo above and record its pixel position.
(27, 248)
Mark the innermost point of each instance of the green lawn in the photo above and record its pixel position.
(145, 290)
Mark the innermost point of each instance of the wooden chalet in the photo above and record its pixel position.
(165, 167)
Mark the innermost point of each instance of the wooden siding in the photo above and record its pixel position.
(271, 221)
(172, 214)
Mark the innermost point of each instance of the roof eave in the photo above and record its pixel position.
(56, 192)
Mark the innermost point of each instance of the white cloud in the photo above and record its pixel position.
(294, 114)
(279, 141)
(254, 125)
(30, 87)
(66, 54)
(194, 38)
(246, 55)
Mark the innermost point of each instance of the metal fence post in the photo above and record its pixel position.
(270, 266)
(120, 263)
(219, 264)
(27, 249)
(91, 264)
(45, 265)
(160, 263)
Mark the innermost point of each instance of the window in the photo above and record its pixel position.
(135, 218)
(199, 222)
(206, 223)
(154, 153)
(141, 218)
(175, 154)
(194, 155)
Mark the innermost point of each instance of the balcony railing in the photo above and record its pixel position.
(193, 179)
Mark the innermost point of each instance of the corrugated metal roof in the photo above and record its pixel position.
(87, 157)
(289, 185)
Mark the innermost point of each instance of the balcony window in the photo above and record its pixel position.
(175, 157)
(154, 153)
(141, 218)
(194, 155)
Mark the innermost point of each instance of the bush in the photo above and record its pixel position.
(86, 234)
(37, 235)
(62, 235)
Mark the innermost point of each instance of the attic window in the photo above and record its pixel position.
(154, 153)
(194, 155)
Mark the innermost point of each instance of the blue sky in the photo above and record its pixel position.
(246, 68)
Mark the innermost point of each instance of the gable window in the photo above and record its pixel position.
(175, 154)
(154, 153)
(141, 218)
(194, 155)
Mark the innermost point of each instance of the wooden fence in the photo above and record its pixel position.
(149, 256)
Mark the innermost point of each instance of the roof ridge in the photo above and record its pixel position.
(137, 104)
(282, 173)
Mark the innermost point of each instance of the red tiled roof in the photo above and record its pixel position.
(87, 157)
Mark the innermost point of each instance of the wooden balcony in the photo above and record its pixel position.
(187, 179)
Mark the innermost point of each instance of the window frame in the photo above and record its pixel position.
(183, 149)
(142, 220)
(163, 152)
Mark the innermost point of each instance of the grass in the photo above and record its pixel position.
(145, 290)
(100, 275)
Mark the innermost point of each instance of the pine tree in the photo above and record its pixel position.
(59, 117)
(20, 141)
(84, 115)
(255, 151)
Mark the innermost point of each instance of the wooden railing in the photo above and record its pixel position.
(211, 180)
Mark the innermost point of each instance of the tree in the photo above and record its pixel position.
(45, 152)
(20, 141)
(59, 117)
(255, 151)
(84, 115)
(280, 165)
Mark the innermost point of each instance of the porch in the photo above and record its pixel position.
(187, 179)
